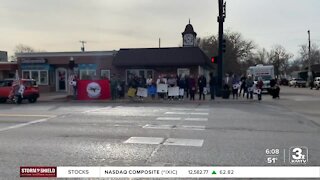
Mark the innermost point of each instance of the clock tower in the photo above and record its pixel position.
(189, 36)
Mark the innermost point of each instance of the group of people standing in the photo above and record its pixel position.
(189, 85)
(246, 86)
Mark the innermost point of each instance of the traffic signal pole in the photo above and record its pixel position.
(221, 18)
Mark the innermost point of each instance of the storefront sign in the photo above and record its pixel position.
(90, 90)
(33, 61)
(35, 66)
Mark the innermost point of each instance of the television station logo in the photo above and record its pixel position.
(298, 155)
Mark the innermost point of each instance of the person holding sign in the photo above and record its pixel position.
(202, 83)
(259, 88)
(249, 84)
(235, 87)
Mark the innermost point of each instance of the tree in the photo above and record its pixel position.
(21, 48)
(304, 54)
(238, 51)
(261, 56)
(279, 57)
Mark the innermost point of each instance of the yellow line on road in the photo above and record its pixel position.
(24, 115)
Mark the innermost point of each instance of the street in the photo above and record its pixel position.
(225, 133)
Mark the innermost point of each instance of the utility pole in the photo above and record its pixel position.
(221, 18)
(82, 48)
(309, 60)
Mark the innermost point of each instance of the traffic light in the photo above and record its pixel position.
(214, 60)
(224, 46)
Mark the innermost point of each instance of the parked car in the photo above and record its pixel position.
(31, 92)
(284, 82)
(297, 82)
(316, 83)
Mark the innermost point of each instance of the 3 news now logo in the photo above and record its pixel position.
(298, 155)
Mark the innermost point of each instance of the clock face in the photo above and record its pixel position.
(188, 39)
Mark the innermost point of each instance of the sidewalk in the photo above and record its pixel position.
(63, 97)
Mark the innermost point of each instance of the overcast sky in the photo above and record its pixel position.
(59, 25)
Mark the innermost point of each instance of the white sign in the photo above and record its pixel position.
(93, 90)
(162, 88)
(142, 92)
(173, 91)
(181, 92)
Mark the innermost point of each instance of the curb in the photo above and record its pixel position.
(149, 101)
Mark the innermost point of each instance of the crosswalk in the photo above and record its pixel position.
(174, 120)
(182, 121)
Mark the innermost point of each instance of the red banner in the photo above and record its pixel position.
(93, 89)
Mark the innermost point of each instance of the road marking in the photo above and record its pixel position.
(24, 115)
(98, 109)
(169, 118)
(196, 119)
(144, 140)
(191, 113)
(173, 127)
(156, 126)
(199, 113)
(202, 109)
(168, 142)
(180, 113)
(26, 124)
(191, 127)
(183, 142)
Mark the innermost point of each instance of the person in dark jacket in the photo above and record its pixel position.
(182, 86)
(202, 83)
(212, 84)
(259, 88)
(192, 86)
(187, 89)
(243, 85)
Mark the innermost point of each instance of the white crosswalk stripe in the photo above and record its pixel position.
(168, 142)
(173, 127)
(169, 118)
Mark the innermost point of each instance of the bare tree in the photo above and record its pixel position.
(21, 48)
(261, 56)
(304, 54)
(279, 57)
(238, 51)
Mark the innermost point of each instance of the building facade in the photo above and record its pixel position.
(52, 70)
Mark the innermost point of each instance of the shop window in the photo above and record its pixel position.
(105, 74)
(139, 73)
(43, 77)
(26, 74)
(88, 74)
(35, 75)
(183, 72)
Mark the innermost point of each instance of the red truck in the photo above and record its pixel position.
(31, 92)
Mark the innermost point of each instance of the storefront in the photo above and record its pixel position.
(52, 70)
(152, 62)
(7, 70)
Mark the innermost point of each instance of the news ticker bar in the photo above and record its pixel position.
(172, 172)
